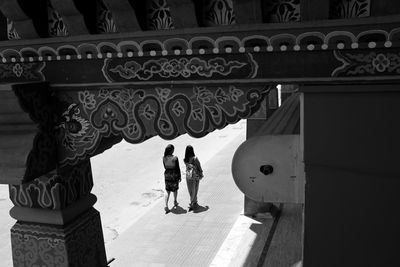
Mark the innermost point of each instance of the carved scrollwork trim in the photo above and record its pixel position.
(91, 115)
(178, 68)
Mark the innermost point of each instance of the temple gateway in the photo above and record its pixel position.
(77, 77)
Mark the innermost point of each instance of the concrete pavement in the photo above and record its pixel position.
(183, 238)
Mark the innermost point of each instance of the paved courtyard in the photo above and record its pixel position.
(183, 238)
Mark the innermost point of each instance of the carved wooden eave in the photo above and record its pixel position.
(102, 88)
(289, 52)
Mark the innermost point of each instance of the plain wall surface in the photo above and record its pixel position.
(351, 151)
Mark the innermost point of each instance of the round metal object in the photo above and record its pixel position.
(264, 167)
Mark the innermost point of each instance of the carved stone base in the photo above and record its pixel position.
(80, 243)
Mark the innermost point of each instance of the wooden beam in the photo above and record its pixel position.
(271, 53)
(314, 10)
(183, 13)
(248, 12)
(23, 24)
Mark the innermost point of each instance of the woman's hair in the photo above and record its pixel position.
(189, 153)
(169, 150)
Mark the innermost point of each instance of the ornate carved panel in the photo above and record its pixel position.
(373, 63)
(269, 55)
(92, 114)
(206, 67)
(20, 72)
(80, 243)
(54, 190)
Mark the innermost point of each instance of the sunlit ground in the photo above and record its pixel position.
(128, 178)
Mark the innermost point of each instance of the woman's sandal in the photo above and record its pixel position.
(167, 210)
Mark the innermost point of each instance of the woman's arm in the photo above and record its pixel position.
(197, 162)
(178, 169)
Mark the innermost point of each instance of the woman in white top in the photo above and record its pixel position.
(194, 173)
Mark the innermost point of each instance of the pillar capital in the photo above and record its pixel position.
(56, 222)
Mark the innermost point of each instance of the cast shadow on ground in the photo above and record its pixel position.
(200, 208)
(178, 210)
(278, 239)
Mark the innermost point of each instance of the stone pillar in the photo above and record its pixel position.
(56, 222)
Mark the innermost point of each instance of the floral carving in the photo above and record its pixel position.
(22, 71)
(350, 9)
(18, 70)
(57, 26)
(219, 12)
(371, 63)
(381, 62)
(105, 21)
(87, 100)
(138, 114)
(282, 10)
(159, 15)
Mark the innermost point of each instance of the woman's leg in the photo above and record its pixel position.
(166, 199)
(190, 189)
(195, 191)
(175, 198)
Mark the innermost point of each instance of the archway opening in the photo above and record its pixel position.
(129, 185)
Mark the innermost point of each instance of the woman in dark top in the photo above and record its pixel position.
(194, 173)
(172, 175)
